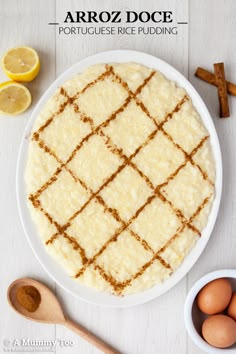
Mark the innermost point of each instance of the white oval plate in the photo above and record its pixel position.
(49, 264)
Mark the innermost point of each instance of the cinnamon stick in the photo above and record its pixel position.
(210, 78)
(222, 89)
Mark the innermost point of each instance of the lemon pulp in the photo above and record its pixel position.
(21, 64)
(14, 98)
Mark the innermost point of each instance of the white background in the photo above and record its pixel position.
(209, 37)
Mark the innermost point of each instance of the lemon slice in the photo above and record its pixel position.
(14, 98)
(21, 64)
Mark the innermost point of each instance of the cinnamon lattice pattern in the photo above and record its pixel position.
(97, 130)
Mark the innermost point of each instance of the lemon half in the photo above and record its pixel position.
(14, 98)
(21, 64)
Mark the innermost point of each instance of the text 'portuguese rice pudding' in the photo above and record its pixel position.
(120, 177)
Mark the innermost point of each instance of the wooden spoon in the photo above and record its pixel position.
(50, 311)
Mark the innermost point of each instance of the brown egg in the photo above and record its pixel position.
(232, 307)
(215, 296)
(219, 331)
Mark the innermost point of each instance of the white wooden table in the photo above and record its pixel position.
(209, 36)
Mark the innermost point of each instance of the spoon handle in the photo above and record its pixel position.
(84, 333)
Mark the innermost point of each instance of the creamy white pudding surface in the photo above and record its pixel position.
(120, 177)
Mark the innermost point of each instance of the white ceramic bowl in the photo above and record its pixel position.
(194, 318)
(50, 265)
